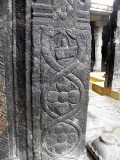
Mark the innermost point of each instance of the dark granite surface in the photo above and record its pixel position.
(47, 63)
(61, 56)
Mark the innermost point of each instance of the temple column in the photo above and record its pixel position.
(116, 73)
(46, 46)
(98, 45)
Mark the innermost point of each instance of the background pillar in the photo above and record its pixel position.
(116, 73)
(113, 50)
(98, 46)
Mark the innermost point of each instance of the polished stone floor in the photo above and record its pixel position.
(103, 115)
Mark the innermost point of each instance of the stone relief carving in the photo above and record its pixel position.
(59, 48)
(61, 99)
(45, 44)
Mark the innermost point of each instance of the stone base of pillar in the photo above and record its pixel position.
(105, 147)
(91, 151)
(96, 70)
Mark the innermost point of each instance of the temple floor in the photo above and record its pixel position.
(103, 115)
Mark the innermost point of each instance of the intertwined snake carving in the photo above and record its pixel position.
(61, 98)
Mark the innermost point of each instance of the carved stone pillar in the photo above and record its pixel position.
(61, 65)
(98, 46)
(47, 65)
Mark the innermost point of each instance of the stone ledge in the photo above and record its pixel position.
(115, 95)
(101, 8)
(97, 84)
(97, 77)
(99, 88)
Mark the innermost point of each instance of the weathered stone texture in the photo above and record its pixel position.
(47, 65)
(4, 150)
(105, 147)
(116, 75)
(12, 53)
(61, 64)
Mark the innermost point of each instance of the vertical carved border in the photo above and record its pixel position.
(36, 94)
(4, 149)
(18, 89)
(29, 63)
(36, 80)
(9, 78)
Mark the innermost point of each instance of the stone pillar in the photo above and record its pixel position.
(112, 71)
(4, 150)
(111, 52)
(116, 74)
(13, 111)
(61, 65)
(7, 108)
(47, 66)
(98, 46)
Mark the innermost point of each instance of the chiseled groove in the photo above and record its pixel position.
(43, 15)
(83, 20)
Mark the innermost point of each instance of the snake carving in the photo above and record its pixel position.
(61, 99)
